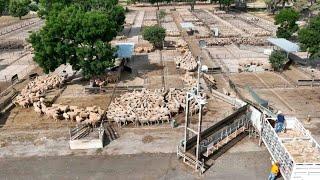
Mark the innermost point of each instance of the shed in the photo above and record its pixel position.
(284, 44)
(187, 25)
(125, 50)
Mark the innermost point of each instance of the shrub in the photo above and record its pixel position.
(155, 35)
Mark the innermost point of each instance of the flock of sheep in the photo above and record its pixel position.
(187, 62)
(254, 41)
(181, 46)
(88, 115)
(138, 107)
(37, 88)
(148, 107)
(144, 49)
(34, 95)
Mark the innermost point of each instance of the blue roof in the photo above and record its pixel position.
(187, 25)
(284, 44)
(125, 50)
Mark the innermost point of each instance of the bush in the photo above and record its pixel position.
(287, 19)
(278, 59)
(155, 35)
(162, 14)
(309, 37)
(19, 8)
(33, 7)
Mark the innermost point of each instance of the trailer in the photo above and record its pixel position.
(295, 149)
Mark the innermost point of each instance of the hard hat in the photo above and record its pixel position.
(279, 112)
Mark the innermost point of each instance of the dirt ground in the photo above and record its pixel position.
(28, 119)
(9, 20)
(259, 80)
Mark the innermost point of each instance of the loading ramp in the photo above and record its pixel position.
(229, 131)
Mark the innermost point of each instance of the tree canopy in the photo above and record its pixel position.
(3, 6)
(78, 34)
(287, 19)
(19, 8)
(277, 60)
(309, 37)
(158, 1)
(155, 35)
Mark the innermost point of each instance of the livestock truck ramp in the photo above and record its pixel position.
(219, 137)
(295, 149)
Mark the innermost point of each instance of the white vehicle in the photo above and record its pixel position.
(295, 149)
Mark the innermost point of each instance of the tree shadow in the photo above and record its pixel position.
(134, 31)
(141, 68)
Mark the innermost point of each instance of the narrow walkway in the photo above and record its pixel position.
(192, 42)
(136, 27)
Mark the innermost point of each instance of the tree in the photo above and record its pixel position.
(158, 1)
(162, 14)
(278, 59)
(155, 35)
(33, 7)
(3, 6)
(19, 8)
(315, 6)
(79, 35)
(271, 5)
(287, 19)
(192, 4)
(301, 5)
(309, 37)
(226, 3)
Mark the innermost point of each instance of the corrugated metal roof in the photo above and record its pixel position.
(125, 50)
(284, 44)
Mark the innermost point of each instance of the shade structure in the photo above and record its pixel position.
(125, 50)
(284, 44)
(187, 25)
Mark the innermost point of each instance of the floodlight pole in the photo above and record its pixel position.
(186, 132)
(198, 152)
(199, 69)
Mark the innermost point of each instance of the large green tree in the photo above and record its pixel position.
(277, 60)
(80, 35)
(287, 19)
(226, 3)
(3, 6)
(155, 35)
(271, 5)
(309, 37)
(19, 8)
(158, 1)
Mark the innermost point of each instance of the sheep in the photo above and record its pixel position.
(66, 116)
(78, 119)
(35, 90)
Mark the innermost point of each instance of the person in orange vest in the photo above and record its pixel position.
(274, 171)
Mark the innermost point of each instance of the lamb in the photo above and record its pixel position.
(72, 115)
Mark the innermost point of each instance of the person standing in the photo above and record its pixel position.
(279, 122)
(274, 171)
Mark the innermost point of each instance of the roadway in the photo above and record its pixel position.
(232, 165)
